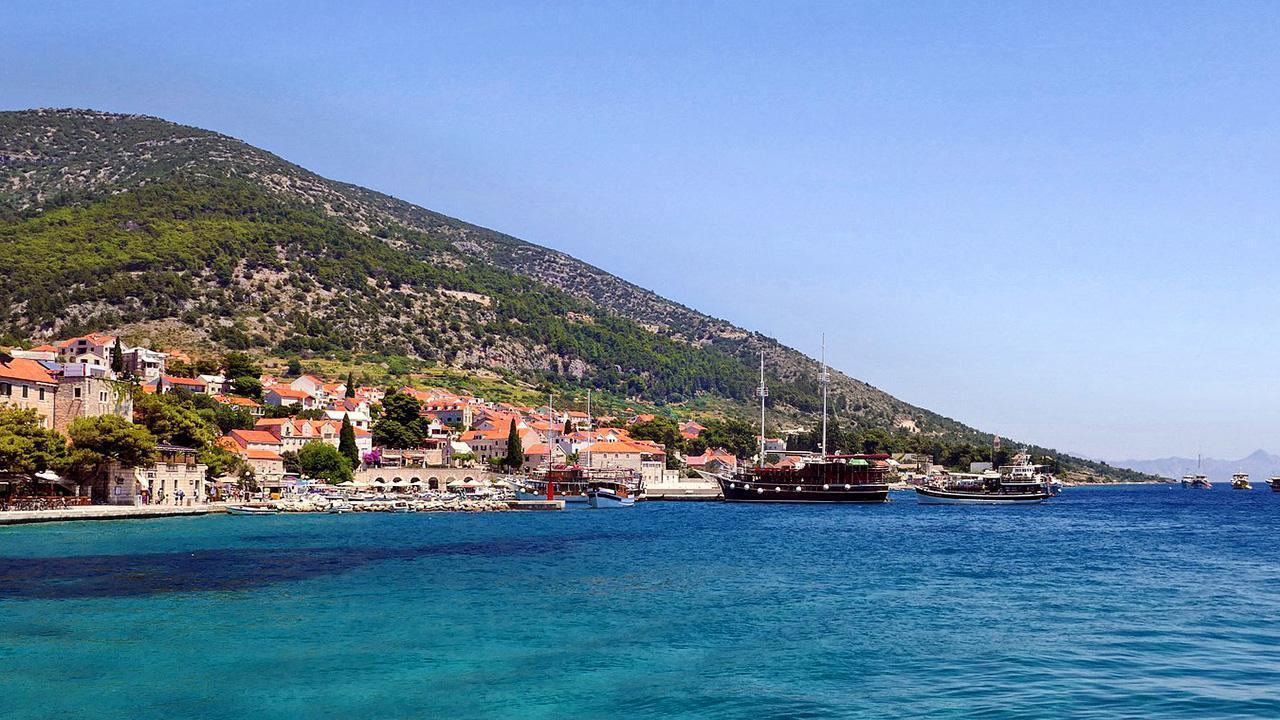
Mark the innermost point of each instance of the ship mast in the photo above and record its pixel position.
(824, 379)
(763, 392)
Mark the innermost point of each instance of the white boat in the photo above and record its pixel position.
(1021, 483)
(251, 510)
(400, 506)
(1240, 481)
(1196, 482)
(337, 508)
(610, 497)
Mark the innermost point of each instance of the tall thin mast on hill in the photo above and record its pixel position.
(824, 379)
(763, 391)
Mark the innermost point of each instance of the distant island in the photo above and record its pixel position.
(1260, 465)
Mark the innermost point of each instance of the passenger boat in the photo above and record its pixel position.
(251, 510)
(1021, 483)
(1196, 482)
(1240, 481)
(833, 478)
(608, 495)
(1275, 484)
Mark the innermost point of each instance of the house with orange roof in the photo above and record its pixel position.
(450, 411)
(713, 460)
(691, 429)
(260, 451)
(91, 349)
(27, 384)
(254, 440)
(169, 383)
(535, 455)
(285, 396)
(357, 409)
(253, 407)
(294, 433)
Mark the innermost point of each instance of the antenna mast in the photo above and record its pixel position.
(763, 391)
(824, 379)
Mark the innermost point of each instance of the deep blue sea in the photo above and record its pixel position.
(1123, 602)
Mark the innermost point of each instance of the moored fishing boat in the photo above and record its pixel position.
(251, 510)
(1021, 483)
(1240, 481)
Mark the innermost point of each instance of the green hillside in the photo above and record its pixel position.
(108, 221)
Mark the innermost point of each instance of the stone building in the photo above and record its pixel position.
(176, 470)
(89, 391)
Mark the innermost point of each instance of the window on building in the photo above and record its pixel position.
(77, 392)
(6, 389)
(102, 396)
(42, 393)
(26, 390)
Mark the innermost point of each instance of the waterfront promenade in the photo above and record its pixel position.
(105, 512)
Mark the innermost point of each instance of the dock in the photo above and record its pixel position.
(105, 512)
(535, 504)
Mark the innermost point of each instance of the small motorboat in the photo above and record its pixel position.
(251, 510)
(337, 508)
(1275, 484)
(400, 506)
(1240, 481)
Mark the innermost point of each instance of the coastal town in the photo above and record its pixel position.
(460, 445)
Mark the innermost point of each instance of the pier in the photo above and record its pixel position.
(105, 512)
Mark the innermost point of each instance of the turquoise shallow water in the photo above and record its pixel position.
(1106, 602)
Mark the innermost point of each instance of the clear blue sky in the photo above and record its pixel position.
(1058, 224)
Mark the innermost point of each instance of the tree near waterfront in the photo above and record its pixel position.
(26, 446)
(515, 448)
(347, 441)
(322, 461)
(400, 424)
(117, 357)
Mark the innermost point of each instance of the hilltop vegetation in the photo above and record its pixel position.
(114, 221)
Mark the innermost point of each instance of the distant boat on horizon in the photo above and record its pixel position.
(1196, 482)
(1240, 481)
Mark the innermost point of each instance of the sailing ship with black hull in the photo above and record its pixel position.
(830, 479)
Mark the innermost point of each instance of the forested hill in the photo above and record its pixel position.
(110, 220)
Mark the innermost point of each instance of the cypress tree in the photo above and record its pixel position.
(515, 449)
(351, 384)
(347, 441)
(117, 357)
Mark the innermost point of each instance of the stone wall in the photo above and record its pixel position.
(424, 478)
